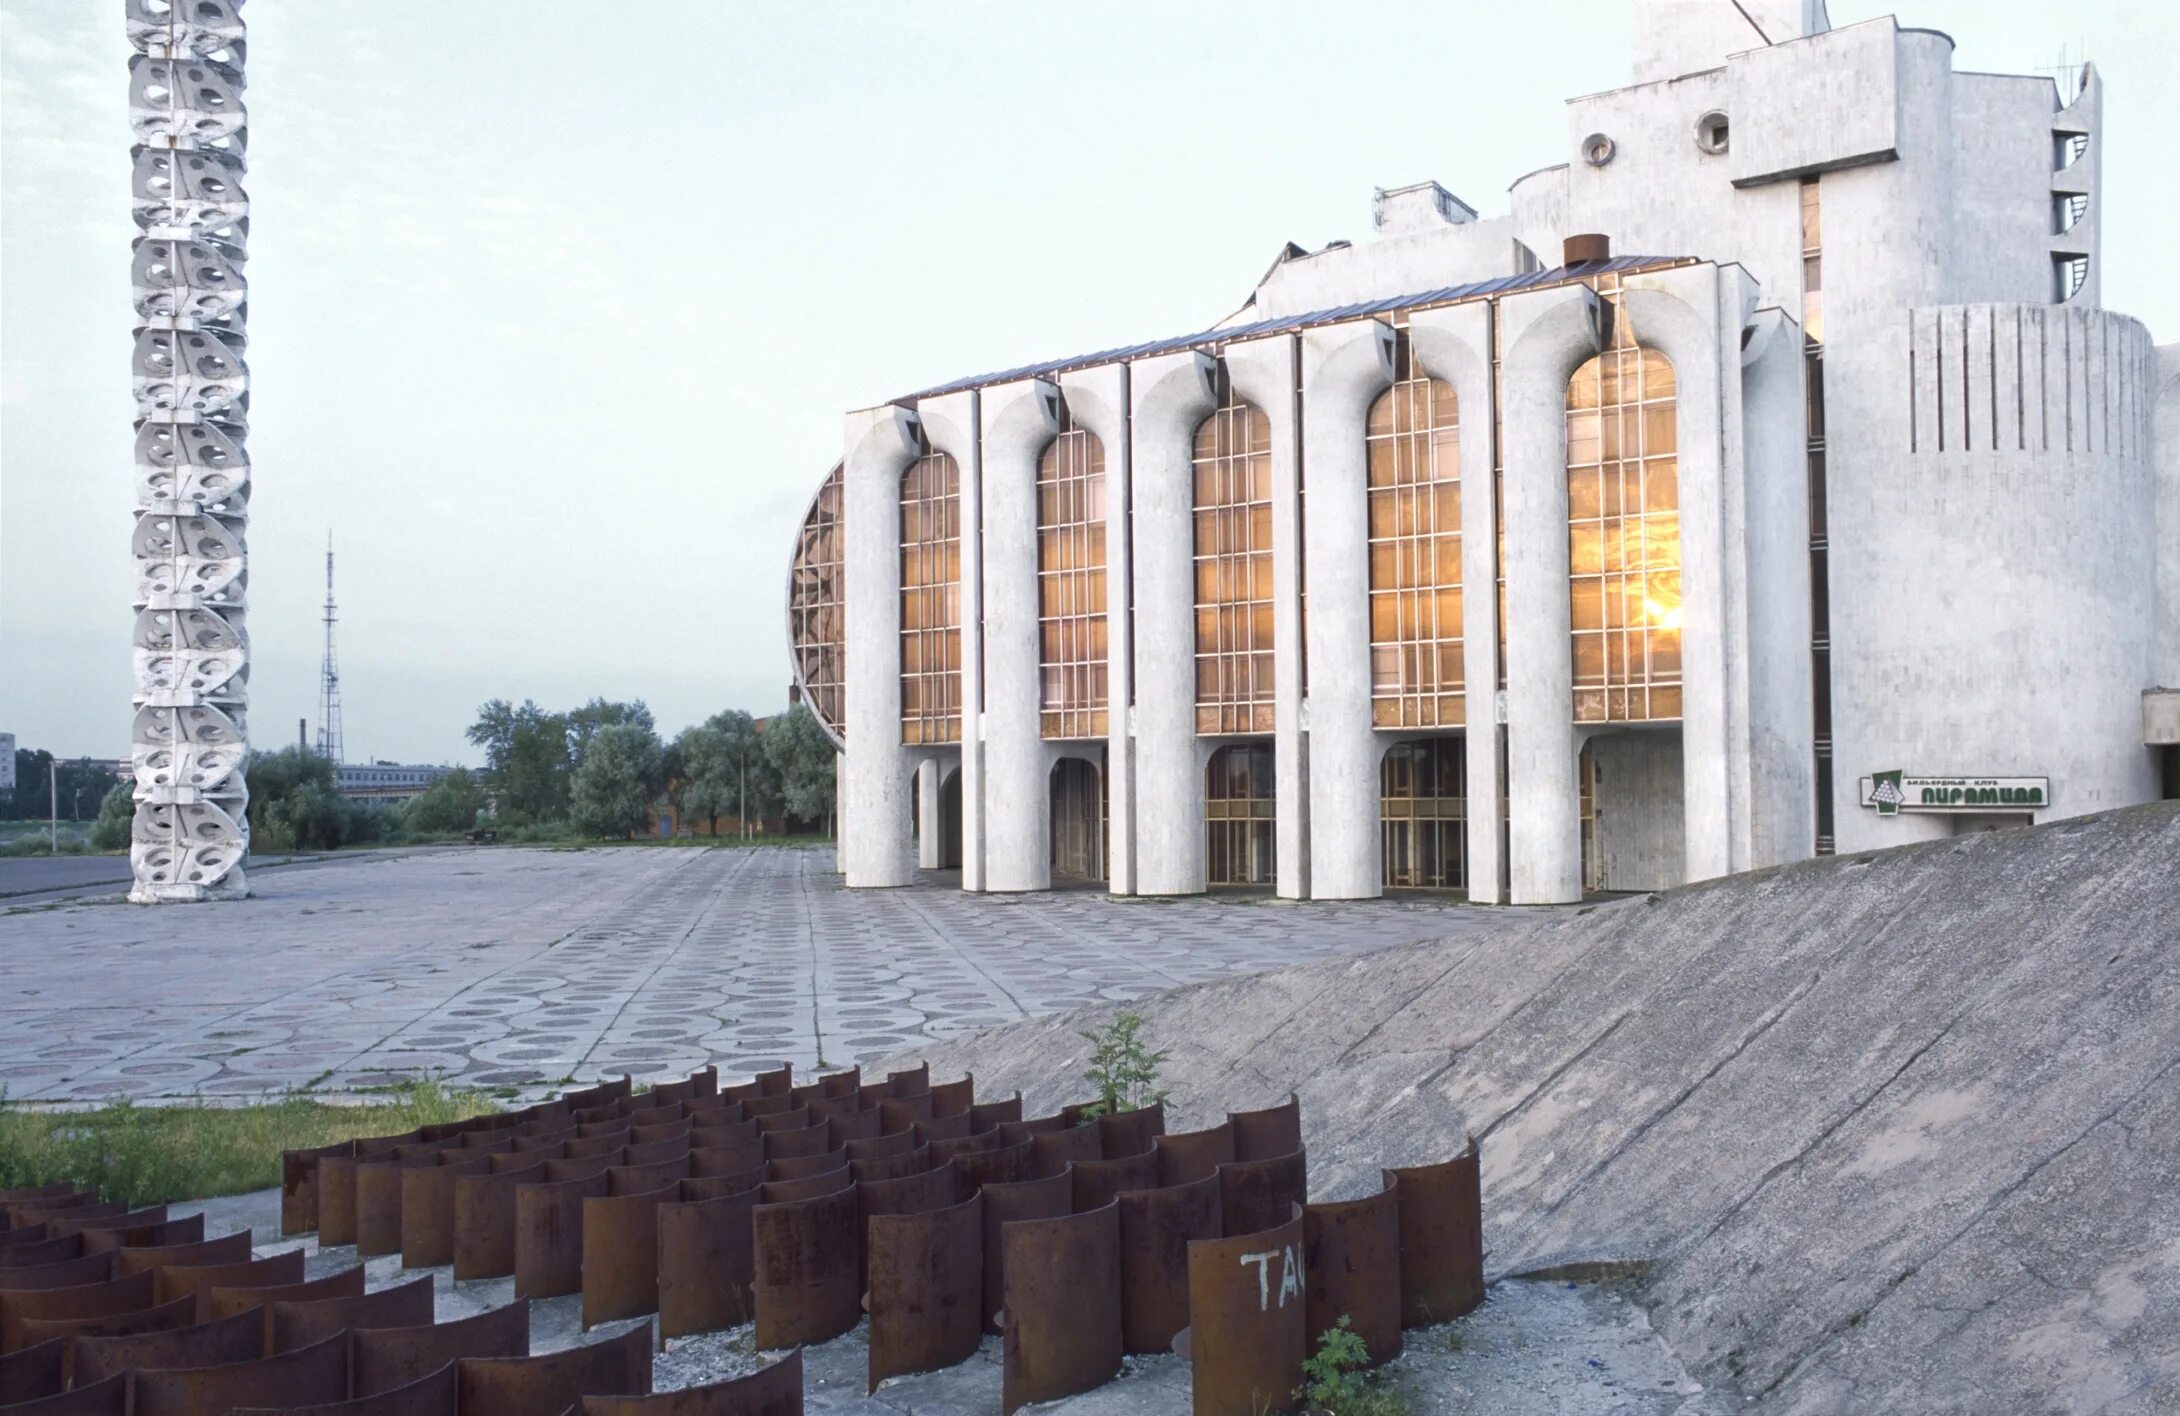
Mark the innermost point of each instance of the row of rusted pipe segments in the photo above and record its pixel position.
(803, 1207)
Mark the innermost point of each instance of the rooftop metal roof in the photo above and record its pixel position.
(1445, 295)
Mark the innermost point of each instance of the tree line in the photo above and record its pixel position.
(603, 770)
(600, 771)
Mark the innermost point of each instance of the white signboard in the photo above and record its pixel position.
(1893, 792)
(7, 762)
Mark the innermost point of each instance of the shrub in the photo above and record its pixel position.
(1124, 1071)
(1337, 1381)
(115, 813)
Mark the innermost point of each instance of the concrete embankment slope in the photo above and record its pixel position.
(1898, 1132)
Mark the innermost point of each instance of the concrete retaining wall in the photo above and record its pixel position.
(1898, 1130)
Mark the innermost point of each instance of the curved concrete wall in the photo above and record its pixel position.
(2004, 601)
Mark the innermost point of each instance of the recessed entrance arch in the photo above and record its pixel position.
(950, 821)
(948, 854)
(1241, 809)
(1634, 835)
(1423, 814)
(1079, 818)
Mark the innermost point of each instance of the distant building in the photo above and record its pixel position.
(385, 781)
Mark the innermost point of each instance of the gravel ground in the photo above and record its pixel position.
(1538, 1347)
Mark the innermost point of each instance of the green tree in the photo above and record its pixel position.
(803, 757)
(526, 758)
(622, 772)
(295, 806)
(447, 805)
(81, 783)
(699, 771)
(584, 722)
(720, 768)
(116, 812)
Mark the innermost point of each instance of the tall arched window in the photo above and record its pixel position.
(1623, 535)
(1233, 500)
(1071, 584)
(1414, 443)
(931, 600)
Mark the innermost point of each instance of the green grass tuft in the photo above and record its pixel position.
(155, 1154)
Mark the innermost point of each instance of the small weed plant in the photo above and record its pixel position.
(1122, 1068)
(1338, 1381)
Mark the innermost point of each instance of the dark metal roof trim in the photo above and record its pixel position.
(1446, 295)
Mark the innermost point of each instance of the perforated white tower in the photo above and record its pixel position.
(189, 743)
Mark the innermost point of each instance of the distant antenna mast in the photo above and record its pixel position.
(329, 677)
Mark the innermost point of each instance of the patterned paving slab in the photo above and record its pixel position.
(512, 967)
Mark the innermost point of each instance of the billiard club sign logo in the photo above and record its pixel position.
(1894, 792)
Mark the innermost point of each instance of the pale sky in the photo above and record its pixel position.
(555, 307)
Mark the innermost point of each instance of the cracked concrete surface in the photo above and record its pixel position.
(1898, 1131)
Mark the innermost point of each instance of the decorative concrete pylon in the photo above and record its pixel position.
(189, 744)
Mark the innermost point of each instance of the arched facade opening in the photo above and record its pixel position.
(946, 852)
(1071, 585)
(950, 820)
(1423, 814)
(817, 608)
(1231, 465)
(1413, 438)
(1241, 806)
(1634, 831)
(1080, 820)
(1623, 535)
(931, 600)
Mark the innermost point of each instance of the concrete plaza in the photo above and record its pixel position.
(509, 967)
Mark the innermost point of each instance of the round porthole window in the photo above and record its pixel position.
(1711, 133)
(1597, 149)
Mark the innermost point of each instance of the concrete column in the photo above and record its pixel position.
(950, 425)
(875, 847)
(1020, 421)
(1097, 399)
(1453, 343)
(1546, 336)
(1679, 314)
(930, 821)
(1344, 368)
(1172, 394)
(1267, 373)
(1774, 711)
(840, 812)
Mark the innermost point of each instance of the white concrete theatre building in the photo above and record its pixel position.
(1812, 503)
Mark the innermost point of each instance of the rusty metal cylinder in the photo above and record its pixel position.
(806, 1256)
(1248, 1330)
(926, 1288)
(1061, 1329)
(1441, 1238)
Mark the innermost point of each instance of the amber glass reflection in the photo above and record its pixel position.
(1233, 500)
(817, 608)
(1414, 442)
(1240, 815)
(1423, 814)
(1623, 535)
(1071, 585)
(931, 600)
